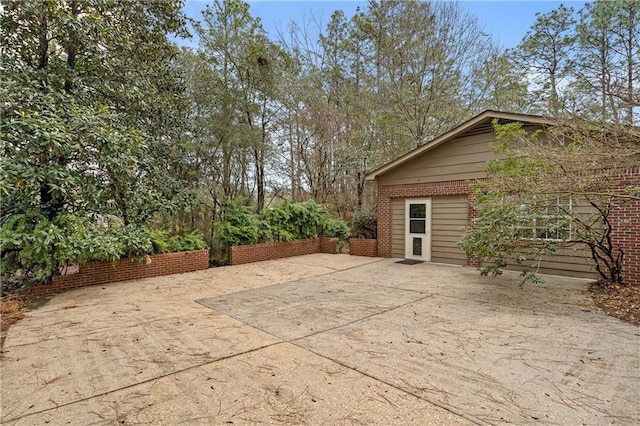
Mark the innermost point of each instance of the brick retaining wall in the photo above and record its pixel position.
(328, 245)
(95, 273)
(363, 247)
(269, 251)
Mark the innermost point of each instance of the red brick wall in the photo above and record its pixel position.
(328, 245)
(626, 228)
(363, 247)
(105, 272)
(268, 251)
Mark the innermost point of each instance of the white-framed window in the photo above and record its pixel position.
(550, 222)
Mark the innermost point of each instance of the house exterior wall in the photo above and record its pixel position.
(452, 209)
(444, 174)
(397, 227)
(449, 217)
(460, 159)
(426, 176)
(448, 220)
(390, 210)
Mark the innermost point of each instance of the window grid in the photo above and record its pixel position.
(552, 225)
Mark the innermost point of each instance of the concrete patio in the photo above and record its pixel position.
(322, 339)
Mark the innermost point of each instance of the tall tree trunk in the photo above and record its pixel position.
(72, 51)
(226, 173)
(258, 156)
(292, 167)
(631, 62)
(554, 104)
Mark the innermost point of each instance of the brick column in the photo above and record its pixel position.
(626, 227)
(384, 222)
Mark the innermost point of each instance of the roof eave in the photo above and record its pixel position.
(452, 134)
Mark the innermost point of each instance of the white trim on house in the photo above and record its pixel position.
(423, 232)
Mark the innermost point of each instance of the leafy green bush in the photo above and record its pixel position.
(365, 225)
(189, 242)
(136, 243)
(279, 220)
(296, 221)
(98, 243)
(240, 227)
(335, 228)
(34, 248)
(308, 218)
(160, 241)
(285, 222)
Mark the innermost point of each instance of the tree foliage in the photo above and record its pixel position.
(545, 53)
(91, 105)
(585, 63)
(380, 83)
(310, 116)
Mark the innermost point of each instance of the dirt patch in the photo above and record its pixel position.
(619, 301)
(10, 312)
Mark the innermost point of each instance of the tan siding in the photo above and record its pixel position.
(570, 261)
(462, 158)
(571, 264)
(448, 219)
(459, 159)
(397, 228)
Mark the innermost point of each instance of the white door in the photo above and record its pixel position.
(417, 229)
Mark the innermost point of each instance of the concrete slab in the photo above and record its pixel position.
(298, 309)
(81, 366)
(496, 350)
(280, 384)
(322, 339)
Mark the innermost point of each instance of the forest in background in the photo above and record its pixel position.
(106, 122)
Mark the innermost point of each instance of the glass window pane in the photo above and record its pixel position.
(417, 226)
(418, 211)
(417, 246)
(552, 221)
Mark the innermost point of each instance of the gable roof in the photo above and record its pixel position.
(478, 124)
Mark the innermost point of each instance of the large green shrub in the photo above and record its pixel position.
(335, 228)
(285, 222)
(296, 221)
(240, 227)
(34, 248)
(189, 242)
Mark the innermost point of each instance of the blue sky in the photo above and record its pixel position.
(507, 21)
